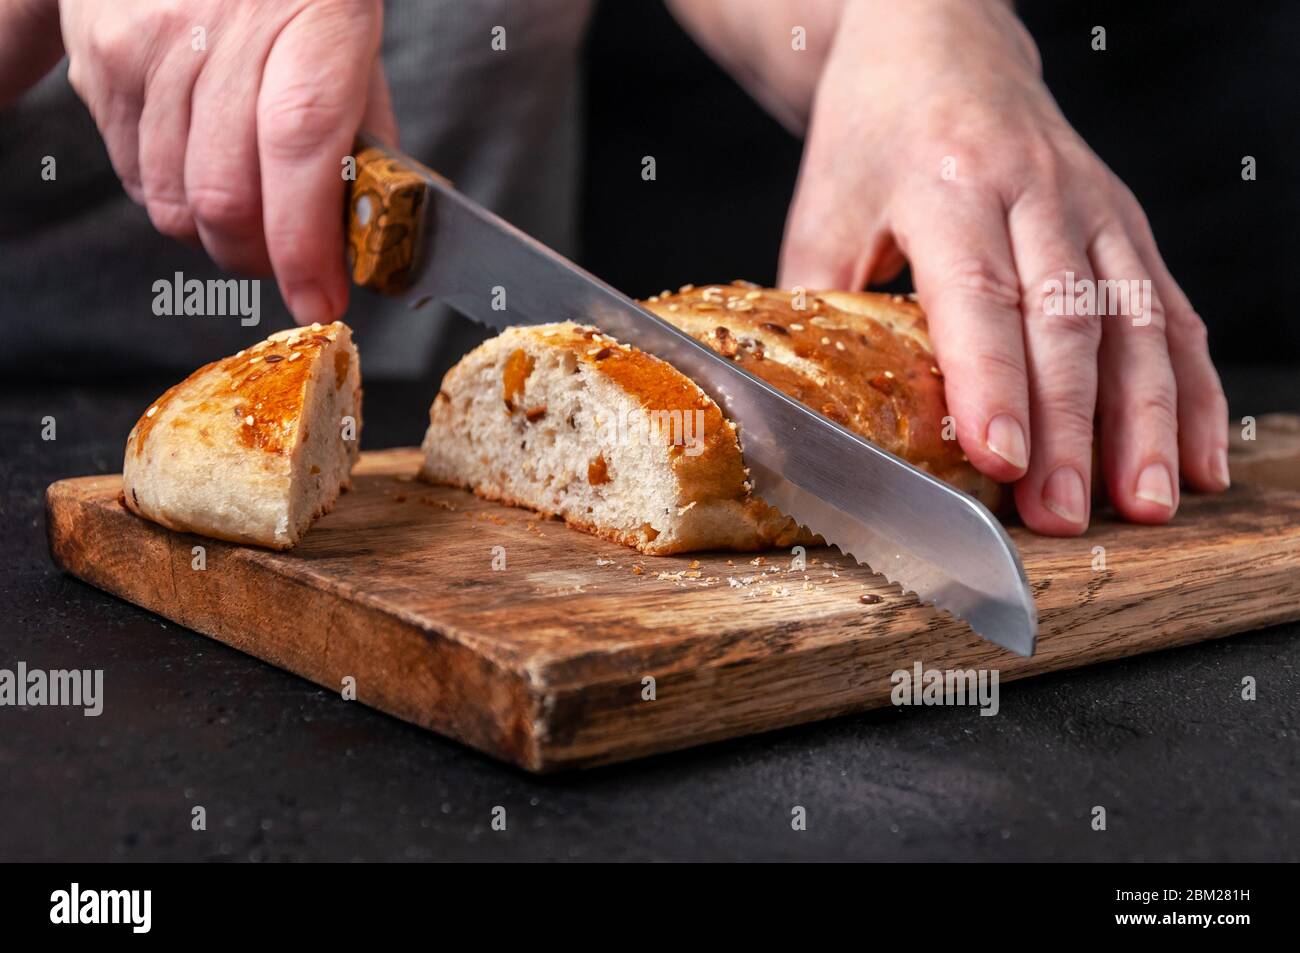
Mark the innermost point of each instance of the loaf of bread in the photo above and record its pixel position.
(565, 420)
(255, 447)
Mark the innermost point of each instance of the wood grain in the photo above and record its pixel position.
(385, 205)
(542, 663)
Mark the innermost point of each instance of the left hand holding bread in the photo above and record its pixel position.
(934, 139)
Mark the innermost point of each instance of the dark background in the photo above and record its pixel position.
(289, 772)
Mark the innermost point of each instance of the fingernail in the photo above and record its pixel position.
(1155, 485)
(309, 305)
(1064, 495)
(1006, 438)
(1221, 468)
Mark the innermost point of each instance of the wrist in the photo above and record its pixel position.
(924, 39)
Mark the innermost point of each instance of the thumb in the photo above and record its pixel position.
(833, 244)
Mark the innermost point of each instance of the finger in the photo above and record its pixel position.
(1061, 353)
(1137, 400)
(812, 257)
(1202, 406)
(379, 120)
(163, 132)
(308, 112)
(829, 241)
(116, 110)
(961, 262)
(222, 176)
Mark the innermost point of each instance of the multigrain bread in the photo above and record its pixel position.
(568, 421)
(254, 447)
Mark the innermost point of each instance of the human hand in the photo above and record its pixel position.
(933, 139)
(228, 120)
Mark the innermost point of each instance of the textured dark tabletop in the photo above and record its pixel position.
(285, 770)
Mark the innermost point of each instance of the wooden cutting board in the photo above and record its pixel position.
(545, 662)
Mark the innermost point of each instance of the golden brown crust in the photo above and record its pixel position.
(268, 383)
(861, 359)
(764, 527)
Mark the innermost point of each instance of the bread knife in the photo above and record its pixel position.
(411, 235)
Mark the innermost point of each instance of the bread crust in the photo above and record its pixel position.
(217, 453)
(860, 358)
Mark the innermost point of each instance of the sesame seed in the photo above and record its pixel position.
(686, 288)
(248, 421)
(934, 370)
(294, 356)
(152, 410)
(239, 353)
(839, 345)
(796, 327)
(254, 360)
(315, 325)
(753, 295)
(672, 307)
(826, 340)
(889, 374)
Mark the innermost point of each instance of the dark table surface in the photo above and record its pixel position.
(285, 770)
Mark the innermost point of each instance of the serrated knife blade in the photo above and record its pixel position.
(903, 523)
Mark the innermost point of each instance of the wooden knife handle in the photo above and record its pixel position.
(386, 203)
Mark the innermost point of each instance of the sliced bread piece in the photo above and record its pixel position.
(254, 447)
(566, 420)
